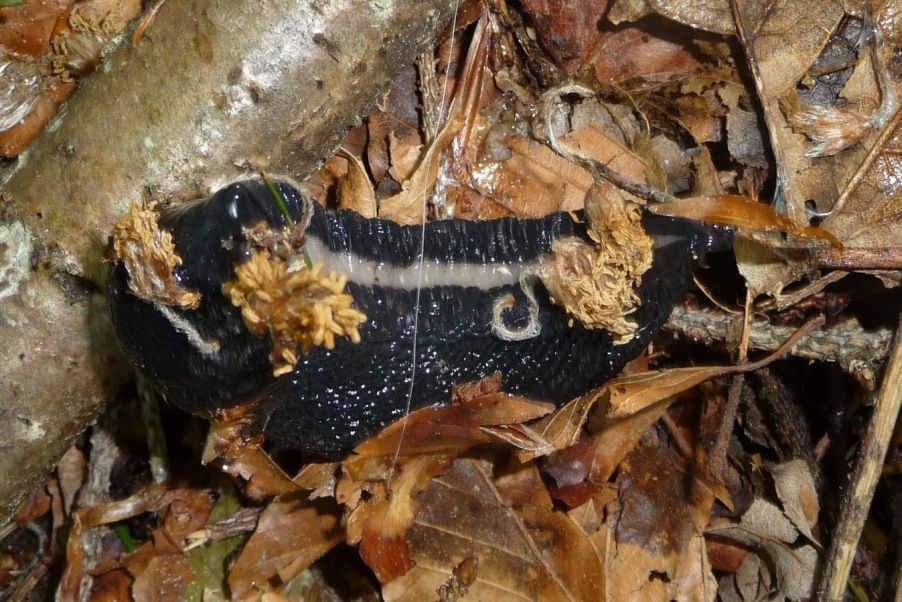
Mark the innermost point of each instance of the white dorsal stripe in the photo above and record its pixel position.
(368, 272)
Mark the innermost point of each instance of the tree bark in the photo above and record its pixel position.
(214, 91)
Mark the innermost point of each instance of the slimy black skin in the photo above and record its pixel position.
(334, 399)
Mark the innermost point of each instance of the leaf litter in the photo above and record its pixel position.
(787, 132)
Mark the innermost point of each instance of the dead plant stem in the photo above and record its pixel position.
(874, 446)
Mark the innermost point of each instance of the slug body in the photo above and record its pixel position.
(478, 314)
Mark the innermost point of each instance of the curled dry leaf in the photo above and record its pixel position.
(451, 428)
(355, 191)
(408, 206)
(789, 569)
(743, 213)
(381, 524)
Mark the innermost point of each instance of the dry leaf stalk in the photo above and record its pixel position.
(301, 309)
(150, 258)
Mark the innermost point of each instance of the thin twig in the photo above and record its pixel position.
(876, 258)
(237, 523)
(719, 453)
(867, 473)
(857, 350)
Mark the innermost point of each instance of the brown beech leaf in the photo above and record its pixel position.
(291, 534)
(869, 212)
(656, 54)
(380, 524)
(710, 15)
(782, 40)
(656, 549)
(568, 29)
(534, 181)
(605, 149)
(529, 552)
(743, 213)
(614, 438)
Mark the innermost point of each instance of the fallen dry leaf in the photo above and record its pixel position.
(568, 29)
(796, 490)
(409, 205)
(534, 181)
(451, 428)
(781, 42)
(784, 567)
(355, 191)
(380, 525)
(648, 533)
(655, 55)
(530, 552)
(291, 534)
(743, 213)
(869, 212)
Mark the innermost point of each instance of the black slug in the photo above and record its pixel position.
(333, 399)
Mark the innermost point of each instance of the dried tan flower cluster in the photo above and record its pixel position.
(300, 309)
(596, 282)
(150, 258)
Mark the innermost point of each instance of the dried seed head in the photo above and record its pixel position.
(596, 283)
(299, 310)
